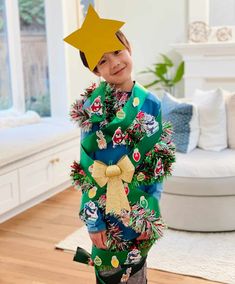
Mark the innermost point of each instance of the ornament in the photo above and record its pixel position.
(126, 188)
(92, 192)
(90, 211)
(97, 261)
(90, 168)
(159, 170)
(141, 176)
(136, 155)
(96, 106)
(114, 261)
(150, 125)
(136, 102)
(143, 202)
(133, 257)
(102, 144)
(118, 137)
(120, 114)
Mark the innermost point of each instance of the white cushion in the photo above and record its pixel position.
(212, 119)
(20, 142)
(230, 110)
(205, 164)
(18, 119)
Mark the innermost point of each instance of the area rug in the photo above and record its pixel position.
(207, 255)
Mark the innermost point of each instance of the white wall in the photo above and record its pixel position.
(151, 26)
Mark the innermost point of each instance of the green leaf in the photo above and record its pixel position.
(148, 70)
(160, 69)
(152, 84)
(167, 60)
(179, 73)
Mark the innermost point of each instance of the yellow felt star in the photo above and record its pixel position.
(96, 37)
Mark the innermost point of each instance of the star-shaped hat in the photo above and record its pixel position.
(96, 37)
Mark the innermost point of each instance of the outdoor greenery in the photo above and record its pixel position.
(31, 15)
(166, 79)
(40, 104)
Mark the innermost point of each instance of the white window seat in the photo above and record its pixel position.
(35, 163)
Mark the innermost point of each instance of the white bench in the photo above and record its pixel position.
(35, 163)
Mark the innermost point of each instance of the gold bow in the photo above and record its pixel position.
(116, 198)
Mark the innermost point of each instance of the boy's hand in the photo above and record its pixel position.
(99, 239)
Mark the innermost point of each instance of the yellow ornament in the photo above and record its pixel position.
(97, 261)
(136, 102)
(115, 261)
(92, 192)
(140, 176)
(120, 114)
(96, 37)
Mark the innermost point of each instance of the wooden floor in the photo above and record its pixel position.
(27, 253)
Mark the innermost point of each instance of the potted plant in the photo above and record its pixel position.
(163, 71)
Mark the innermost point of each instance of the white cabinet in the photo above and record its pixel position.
(35, 178)
(9, 193)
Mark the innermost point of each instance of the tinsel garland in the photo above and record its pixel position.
(139, 219)
(114, 101)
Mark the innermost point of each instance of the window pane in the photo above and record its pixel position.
(5, 85)
(34, 55)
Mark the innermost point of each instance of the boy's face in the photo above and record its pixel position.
(115, 67)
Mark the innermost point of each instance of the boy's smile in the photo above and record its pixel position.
(115, 67)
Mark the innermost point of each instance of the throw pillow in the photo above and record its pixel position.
(230, 110)
(184, 118)
(212, 119)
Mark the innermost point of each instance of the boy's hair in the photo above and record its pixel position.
(122, 39)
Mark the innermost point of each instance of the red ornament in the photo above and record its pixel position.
(136, 155)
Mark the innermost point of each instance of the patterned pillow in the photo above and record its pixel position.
(184, 118)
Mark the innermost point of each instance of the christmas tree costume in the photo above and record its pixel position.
(114, 189)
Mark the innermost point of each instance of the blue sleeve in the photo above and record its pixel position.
(154, 190)
(96, 226)
(152, 105)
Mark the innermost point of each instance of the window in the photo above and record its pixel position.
(37, 71)
(5, 85)
(34, 56)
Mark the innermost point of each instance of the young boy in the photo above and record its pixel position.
(125, 153)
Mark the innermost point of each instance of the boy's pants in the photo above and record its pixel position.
(138, 278)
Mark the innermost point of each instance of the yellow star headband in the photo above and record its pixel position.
(96, 37)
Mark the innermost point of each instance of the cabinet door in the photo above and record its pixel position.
(35, 178)
(63, 161)
(9, 191)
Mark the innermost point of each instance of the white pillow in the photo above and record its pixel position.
(212, 119)
(230, 110)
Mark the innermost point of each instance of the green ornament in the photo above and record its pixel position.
(140, 176)
(97, 261)
(120, 114)
(143, 202)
